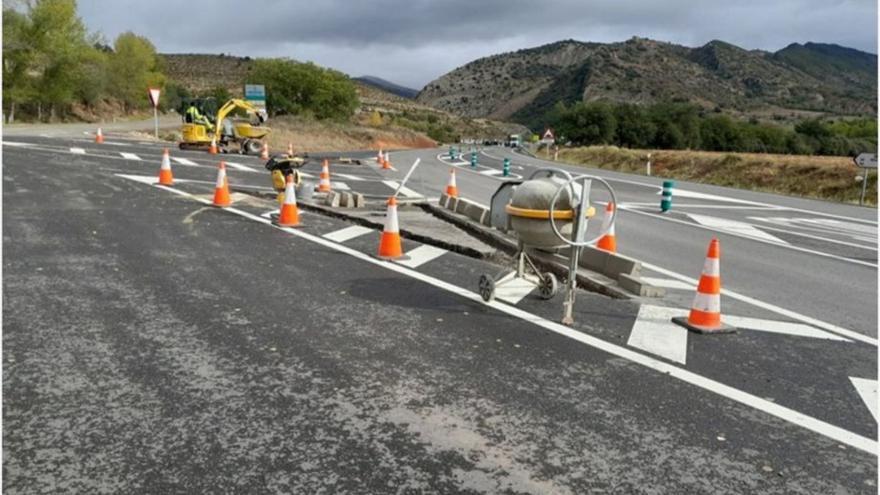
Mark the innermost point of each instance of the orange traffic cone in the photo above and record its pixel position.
(221, 189)
(289, 149)
(289, 213)
(99, 137)
(705, 315)
(608, 242)
(165, 176)
(451, 188)
(264, 155)
(380, 157)
(212, 149)
(389, 243)
(324, 177)
(386, 164)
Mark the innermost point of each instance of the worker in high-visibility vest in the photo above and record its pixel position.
(193, 116)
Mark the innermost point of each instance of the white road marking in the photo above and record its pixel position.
(859, 232)
(783, 246)
(809, 320)
(742, 228)
(78, 151)
(143, 179)
(404, 191)
(307, 175)
(684, 193)
(653, 331)
(667, 283)
(350, 177)
(129, 156)
(833, 432)
(342, 186)
(348, 233)
(239, 166)
(491, 171)
(269, 213)
(17, 144)
(867, 390)
(185, 161)
(781, 327)
(512, 289)
(656, 205)
(421, 255)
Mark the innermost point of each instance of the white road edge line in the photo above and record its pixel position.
(727, 232)
(78, 151)
(129, 156)
(809, 320)
(835, 433)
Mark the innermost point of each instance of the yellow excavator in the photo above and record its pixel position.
(231, 133)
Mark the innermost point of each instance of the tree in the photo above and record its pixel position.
(634, 129)
(133, 68)
(18, 55)
(719, 133)
(304, 89)
(588, 124)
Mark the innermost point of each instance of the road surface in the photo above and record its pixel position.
(153, 343)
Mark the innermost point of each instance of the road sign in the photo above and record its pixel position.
(154, 96)
(255, 94)
(866, 160)
(548, 137)
(154, 99)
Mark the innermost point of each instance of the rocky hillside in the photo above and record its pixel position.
(797, 80)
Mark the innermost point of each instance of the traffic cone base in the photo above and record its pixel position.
(718, 328)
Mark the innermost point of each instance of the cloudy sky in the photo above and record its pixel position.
(411, 42)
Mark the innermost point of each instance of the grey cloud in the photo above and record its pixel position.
(414, 41)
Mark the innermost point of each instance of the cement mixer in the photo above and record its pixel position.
(550, 210)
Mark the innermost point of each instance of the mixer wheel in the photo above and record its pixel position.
(487, 287)
(548, 286)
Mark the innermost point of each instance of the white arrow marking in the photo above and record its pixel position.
(653, 331)
(867, 390)
(129, 156)
(741, 228)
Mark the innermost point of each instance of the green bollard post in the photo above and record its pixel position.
(452, 152)
(473, 159)
(666, 200)
(506, 168)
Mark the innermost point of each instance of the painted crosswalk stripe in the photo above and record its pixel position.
(421, 255)
(347, 233)
(129, 156)
(404, 191)
(491, 171)
(78, 151)
(184, 161)
(350, 177)
(342, 186)
(239, 166)
(654, 332)
(867, 390)
(512, 289)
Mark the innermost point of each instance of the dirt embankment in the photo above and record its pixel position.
(822, 177)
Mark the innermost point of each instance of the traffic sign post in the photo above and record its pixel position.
(865, 161)
(154, 99)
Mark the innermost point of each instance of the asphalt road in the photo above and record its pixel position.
(155, 344)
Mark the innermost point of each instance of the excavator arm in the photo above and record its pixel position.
(231, 105)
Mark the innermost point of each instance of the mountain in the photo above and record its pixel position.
(809, 79)
(388, 86)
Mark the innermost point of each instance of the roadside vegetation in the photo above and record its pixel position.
(821, 177)
(685, 126)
